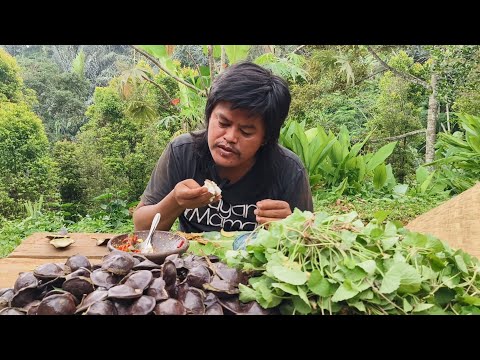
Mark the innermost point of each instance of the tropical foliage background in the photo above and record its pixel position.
(390, 129)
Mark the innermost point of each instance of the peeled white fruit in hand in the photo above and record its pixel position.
(212, 189)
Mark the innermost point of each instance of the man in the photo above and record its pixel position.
(260, 180)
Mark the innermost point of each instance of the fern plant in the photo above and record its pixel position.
(33, 209)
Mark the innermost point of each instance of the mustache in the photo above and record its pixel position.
(226, 146)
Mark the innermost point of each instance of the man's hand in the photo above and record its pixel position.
(190, 195)
(271, 210)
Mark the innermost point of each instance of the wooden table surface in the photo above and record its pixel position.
(36, 250)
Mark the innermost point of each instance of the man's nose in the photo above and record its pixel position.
(231, 135)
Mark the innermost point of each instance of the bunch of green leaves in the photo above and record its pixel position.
(319, 264)
(334, 160)
(458, 154)
(427, 183)
(188, 111)
(113, 209)
(290, 67)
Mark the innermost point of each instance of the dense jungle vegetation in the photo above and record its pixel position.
(379, 128)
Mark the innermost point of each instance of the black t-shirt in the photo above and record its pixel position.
(288, 182)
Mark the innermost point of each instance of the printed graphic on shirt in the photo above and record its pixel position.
(222, 214)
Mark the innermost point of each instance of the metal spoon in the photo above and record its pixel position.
(146, 246)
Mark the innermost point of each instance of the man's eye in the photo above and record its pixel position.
(246, 133)
(222, 124)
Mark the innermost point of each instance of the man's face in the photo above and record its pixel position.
(233, 137)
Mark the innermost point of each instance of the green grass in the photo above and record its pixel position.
(403, 209)
(14, 231)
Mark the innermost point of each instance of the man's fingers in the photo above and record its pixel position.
(188, 193)
(275, 213)
(205, 198)
(271, 210)
(272, 204)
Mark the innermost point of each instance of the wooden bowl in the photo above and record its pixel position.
(164, 243)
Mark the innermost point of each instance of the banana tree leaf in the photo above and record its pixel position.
(319, 155)
(380, 156)
(379, 176)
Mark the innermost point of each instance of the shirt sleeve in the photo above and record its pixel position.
(299, 194)
(163, 179)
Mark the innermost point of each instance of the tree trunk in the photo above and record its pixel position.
(431, 121)
(222, 59)
(211, 63)
(448, 119)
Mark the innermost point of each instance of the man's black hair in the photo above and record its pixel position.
(250, 87)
